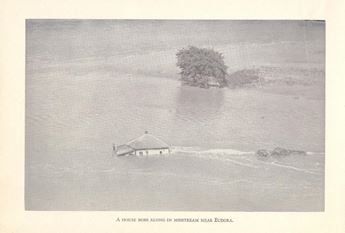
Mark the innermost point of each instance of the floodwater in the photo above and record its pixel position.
(71, 125)
(96, 111)
(79, 104)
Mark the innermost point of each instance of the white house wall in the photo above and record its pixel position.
(152, 152)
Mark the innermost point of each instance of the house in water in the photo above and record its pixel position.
(145, 145)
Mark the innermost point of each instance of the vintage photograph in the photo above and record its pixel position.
(174, 115)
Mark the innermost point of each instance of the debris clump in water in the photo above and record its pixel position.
(278, 151)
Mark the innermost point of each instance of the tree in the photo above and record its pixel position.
(200, 65)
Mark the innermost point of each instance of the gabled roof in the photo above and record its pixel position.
(147, 141)
(124, 149)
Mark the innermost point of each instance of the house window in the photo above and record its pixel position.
(160, 152)
(147, 152)
(140, 153)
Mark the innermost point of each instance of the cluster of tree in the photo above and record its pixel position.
(202, 67)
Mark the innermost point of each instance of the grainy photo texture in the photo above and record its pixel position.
(175, 115)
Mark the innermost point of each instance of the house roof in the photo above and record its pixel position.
(124, 149)
(147, 141)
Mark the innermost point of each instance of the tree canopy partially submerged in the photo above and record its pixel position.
(202, 67)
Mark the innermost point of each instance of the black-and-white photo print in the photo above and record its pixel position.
(175, 115)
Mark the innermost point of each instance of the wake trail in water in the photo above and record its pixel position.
(209, 151)
(216, 154)
(293, 168)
